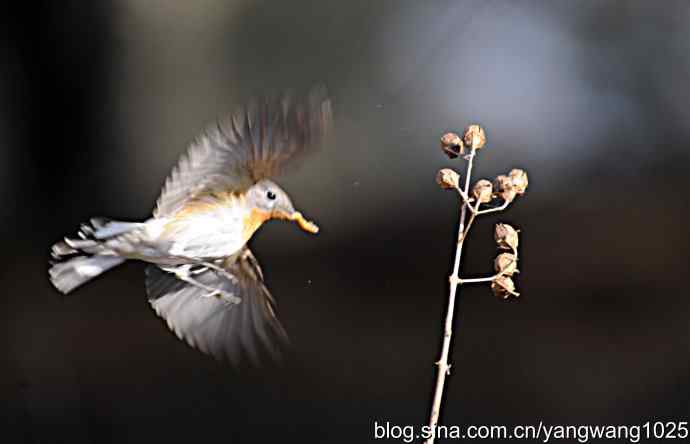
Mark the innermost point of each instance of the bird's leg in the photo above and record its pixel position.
(220, 270)
(184, 273)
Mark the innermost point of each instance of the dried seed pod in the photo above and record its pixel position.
(508, 195)
(475, 137)
(506, 263)
(504, 188)
(483, 191)
(452, 145)
(503, 287)
(502, 182)
(506, 236)
(519, 179)
(447, 178)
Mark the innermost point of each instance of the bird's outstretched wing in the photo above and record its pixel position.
(255, 142)
(215, 324)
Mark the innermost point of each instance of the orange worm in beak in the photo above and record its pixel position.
(303, 223)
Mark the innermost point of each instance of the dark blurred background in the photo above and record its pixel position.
(98, 99)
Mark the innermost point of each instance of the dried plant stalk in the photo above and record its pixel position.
(443, 366)
(507, 188)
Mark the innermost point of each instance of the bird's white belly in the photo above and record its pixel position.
(215, 234)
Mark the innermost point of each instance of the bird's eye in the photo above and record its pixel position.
(271, 195)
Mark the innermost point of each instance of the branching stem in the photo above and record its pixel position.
(491, 210)
(443, 366)
(466, 200)
(488, 278)
(507, 187)
(478, 280)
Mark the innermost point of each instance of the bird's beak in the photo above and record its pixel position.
(296, 216)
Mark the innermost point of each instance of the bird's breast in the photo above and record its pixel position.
(253, 221)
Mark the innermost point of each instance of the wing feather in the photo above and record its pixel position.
(213, 325)
(256, 142)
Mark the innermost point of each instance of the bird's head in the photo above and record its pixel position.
(272, 202)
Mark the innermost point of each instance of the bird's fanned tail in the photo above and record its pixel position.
(77, 261)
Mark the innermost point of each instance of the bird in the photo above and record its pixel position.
(202, 279)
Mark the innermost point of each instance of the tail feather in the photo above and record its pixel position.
(77, 261)
(68, 275)
(105, 228)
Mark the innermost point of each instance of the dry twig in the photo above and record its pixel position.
(505, 188)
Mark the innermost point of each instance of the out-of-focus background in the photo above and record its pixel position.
(98, 99)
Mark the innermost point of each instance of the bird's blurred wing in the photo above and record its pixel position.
(213, 323)
(256, 142)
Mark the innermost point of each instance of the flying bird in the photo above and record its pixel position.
(201, 277)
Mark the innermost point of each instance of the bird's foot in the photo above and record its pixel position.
(185, 272)
(220, 270)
